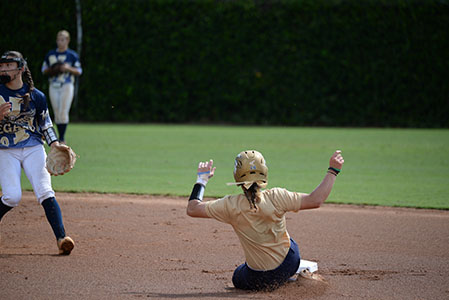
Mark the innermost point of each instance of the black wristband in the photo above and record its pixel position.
(197, 192)
(50, 135)
(335, 170)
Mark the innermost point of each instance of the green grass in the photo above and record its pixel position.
(393, 167)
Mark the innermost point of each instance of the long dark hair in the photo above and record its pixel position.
(26, 75)
(253, 196)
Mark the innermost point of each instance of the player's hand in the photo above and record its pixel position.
(58, 145)
(205, 172)
(336, 161)
(5, 109)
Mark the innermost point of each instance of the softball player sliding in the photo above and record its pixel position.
(24, 122)
(258, 218)
(61, 88)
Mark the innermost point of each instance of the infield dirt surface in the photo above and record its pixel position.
(146, 247)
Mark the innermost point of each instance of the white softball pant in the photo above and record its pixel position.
(32, 159)
(61, 98)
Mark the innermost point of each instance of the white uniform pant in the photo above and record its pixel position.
(61, 98)
(32, 160)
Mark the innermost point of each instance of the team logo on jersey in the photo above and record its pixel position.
(15, 123)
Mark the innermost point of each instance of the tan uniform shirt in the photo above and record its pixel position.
(263, 234)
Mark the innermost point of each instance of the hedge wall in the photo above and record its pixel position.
(325, 63)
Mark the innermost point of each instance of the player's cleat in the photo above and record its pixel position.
(65, 245)
(310, 275)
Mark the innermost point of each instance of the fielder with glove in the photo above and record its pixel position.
(61, 65)
(24, 124)
(258, 218)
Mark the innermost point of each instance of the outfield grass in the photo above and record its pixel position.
(393, 167)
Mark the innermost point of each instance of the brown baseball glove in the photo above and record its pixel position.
(60, 160)
(55, 69)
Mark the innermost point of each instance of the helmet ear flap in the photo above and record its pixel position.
(22, 64)
(238, 163)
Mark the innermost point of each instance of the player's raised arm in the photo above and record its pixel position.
(196, 208)
(322, 191)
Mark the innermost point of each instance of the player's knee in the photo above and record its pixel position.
(61, 117)
(12, 199)
(64, 120)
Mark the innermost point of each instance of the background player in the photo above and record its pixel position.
(24, 122)
(258, 218)
(61, 65)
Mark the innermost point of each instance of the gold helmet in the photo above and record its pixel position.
(250, 167)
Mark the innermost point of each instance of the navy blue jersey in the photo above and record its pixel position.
(23, 126)
(70, 57)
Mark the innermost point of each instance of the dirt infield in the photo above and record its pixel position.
(136, 247)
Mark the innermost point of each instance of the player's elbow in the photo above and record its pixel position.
(190, 212)
(191, 209)
(317, 201)
(315, 204)
(196, 209)
(311, 202)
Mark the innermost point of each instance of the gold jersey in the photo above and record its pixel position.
(263, 233)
